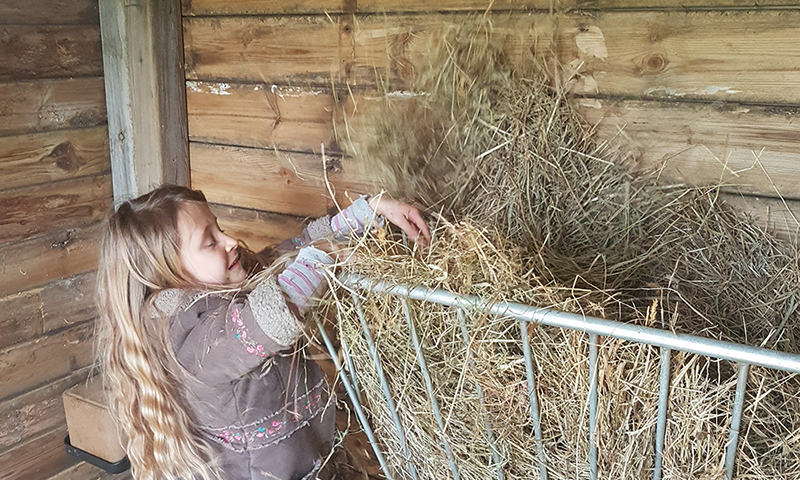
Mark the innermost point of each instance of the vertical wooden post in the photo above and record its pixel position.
(145, 94)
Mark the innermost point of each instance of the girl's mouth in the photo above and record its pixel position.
(234, 264)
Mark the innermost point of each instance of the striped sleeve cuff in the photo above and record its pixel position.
(352, 220)
(302, 279)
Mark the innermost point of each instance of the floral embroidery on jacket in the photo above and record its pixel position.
(272, 428)
(251, 346)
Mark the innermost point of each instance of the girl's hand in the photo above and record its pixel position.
(404, 216)
(340, 253)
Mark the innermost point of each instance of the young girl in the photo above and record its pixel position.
(200, 346)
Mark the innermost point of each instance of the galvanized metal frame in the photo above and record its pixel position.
(744, 355)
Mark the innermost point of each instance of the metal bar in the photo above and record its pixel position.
(663, 403)
(479, 391)
(593, 342)
(634, 333)
(387, 393)
(736, 419)
(533, 399)
(351, 368)
(356, 401)
(423, 366)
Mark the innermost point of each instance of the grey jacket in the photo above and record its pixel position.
(261, 405)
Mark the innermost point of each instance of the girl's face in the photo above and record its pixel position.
(206, 253)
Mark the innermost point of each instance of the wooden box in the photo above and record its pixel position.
(91, 427)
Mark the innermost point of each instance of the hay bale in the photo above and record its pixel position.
(534, 210)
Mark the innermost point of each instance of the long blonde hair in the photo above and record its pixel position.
(139, 257)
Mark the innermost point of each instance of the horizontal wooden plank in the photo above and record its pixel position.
(45, 359)
(748, 148)
(50, 51)
(32, 413)
(86, 471)
(681, 4)
(260, 7)
(272, 181)
(69, 301)
(38, 12)
(37, 459)
(52, 207)
(56, 305)
(40, 260)
(258, 48)
(50, 104)
(746, 56)
(288, 118)
(777, 216)
(458, 5)
(320, 49)
(20, 318)
(38, 158)
(257, 229)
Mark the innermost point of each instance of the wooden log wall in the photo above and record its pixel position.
(705, 90)
(55, 187)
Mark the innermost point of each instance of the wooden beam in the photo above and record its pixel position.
(45, 359)
(742, 56)
(39, 458)
(20, 319)
(40, 260)
(68, 301)
(86, 471)
(260, 115)
(265, 49)
(681, 4)
(280, 182)
(746, 148)
(318, 50)
(142, 57)
(50, 51)
(260, 7)
(52, 12)
(31, 413)
(39, 105)
(48, 208)
(40, 158)
(54, 306)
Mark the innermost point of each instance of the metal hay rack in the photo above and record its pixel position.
(667, 341)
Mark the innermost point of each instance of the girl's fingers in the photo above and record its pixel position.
(406, 217)
(422, 228)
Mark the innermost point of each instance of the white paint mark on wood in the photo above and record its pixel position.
(194, 86)
(589, 103)
(219, 88)
(591, 42)
(206, 87)
(673, 92)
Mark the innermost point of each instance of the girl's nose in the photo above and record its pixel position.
(230, 243)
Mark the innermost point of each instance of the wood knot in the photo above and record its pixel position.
(62, 244)
(64, 157)
(655, 63)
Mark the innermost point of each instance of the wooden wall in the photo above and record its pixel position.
(54, 189)
(705, 90)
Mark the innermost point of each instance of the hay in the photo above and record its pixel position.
(534, 210)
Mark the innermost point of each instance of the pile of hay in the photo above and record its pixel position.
(533, 210)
